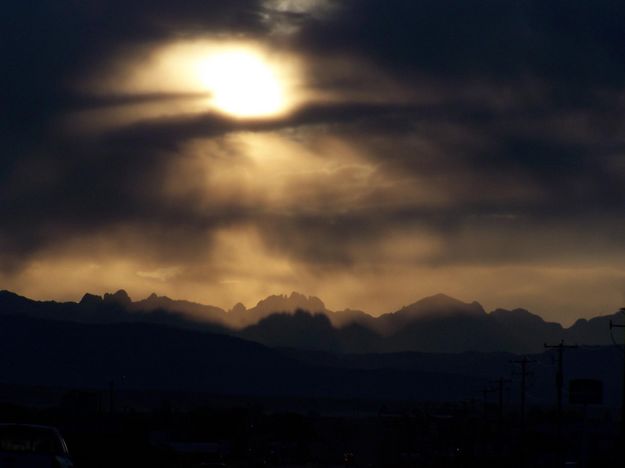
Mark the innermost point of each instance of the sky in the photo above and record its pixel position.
(364, 151)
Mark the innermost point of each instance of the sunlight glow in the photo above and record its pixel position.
(239, 79)
(242, 84)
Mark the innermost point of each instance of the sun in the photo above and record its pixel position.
(243, 84)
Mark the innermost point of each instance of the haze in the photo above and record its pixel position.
(365, 152)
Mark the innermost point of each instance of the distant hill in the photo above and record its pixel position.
(139, 356)
(37, 351)
(112, 308)
(192, 310)
(439, 306)
(438, 324)
(313, 332)
(434, 324)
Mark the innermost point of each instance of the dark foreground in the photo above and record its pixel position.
(190, 431)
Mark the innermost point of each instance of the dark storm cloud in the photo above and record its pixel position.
(45, 45)
(570, 42)
(547, 58)
(521, 134)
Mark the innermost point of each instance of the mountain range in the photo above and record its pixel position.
(437, 323)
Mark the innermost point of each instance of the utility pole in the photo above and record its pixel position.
(523, 363)
(501, 382)
(561, 347)
(615, 325)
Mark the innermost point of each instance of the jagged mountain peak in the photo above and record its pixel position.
(290, 303)
(120, 297)
(426, 325)
(155, 300)
(277, 303)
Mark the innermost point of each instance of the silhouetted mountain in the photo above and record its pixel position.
(98, 341)
(444, 324)
(113, 308)
(449, 334)
(434, 324)
(140, 356)
(298, 330)
(312, 332)
(239, 316)
(120, 298)
(341, 318)
(90, 300)
(430, 308)
(356, 338)
(594, 330)
(200, 312)
(528, 331)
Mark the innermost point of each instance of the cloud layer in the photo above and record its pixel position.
(475, 148)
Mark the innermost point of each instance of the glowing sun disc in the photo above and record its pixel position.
(242, 84)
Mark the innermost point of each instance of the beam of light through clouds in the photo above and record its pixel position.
(365, 152)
